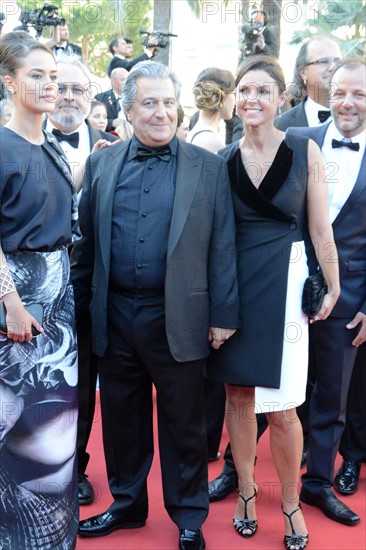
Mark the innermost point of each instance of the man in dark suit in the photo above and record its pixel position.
(122, 51)
(311, 83)
(60, 45)
(337, 339)
(78, 139)
(112, 99)
(157, 266)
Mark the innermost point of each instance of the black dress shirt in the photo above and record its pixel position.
(142, 210)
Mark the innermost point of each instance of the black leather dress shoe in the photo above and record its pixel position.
(346, 480)
(331, 506)
(221, 487)
(191, 539)
(85, 490)
(103, 524)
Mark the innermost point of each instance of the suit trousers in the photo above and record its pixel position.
(138, 356)
(353, 442)
(334, 362)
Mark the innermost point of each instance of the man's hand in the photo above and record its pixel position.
(361, 336)
(218, 336)
(103, 143)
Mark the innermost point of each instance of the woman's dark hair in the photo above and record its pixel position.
(95, 103)
(14, 47)
(211, 88)
(266, 63)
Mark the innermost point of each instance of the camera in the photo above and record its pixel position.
(160, 36)
(251, 31)
(47, 16)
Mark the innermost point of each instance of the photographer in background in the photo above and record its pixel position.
(258, 37)
(59, 43)
(122, 51)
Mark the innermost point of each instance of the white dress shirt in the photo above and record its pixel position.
(342, 167)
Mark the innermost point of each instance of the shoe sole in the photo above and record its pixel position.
(132, 525)
(329, 515)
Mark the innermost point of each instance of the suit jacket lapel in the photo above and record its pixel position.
(109, 169)
(189, 167)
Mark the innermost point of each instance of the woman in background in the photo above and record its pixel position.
(98, 115)
(214, 95)
(38, 376)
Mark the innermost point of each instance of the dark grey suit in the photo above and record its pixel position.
(292, 118)
(200, 291)
(335, 355)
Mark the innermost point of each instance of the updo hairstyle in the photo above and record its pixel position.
(211, 88)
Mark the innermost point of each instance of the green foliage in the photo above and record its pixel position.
(343, 21)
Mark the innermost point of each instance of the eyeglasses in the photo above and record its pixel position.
(325, 61)
(75, 89)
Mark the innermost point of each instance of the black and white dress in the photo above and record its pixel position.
(38, 379)
(270, 351)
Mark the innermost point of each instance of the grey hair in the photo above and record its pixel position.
(146, 69)
(75, 60)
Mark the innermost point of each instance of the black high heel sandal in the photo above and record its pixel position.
(241, 525)
(294, 541)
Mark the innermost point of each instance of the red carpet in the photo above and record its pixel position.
(161, 534)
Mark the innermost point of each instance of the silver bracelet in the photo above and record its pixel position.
(6, 281)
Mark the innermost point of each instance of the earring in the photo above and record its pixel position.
(305, 81)
(11, 90)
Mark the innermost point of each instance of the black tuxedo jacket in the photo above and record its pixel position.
(118, 62)
(349, 229)
(112, 105)
(69, 49)
(200, 283)
(294, 117)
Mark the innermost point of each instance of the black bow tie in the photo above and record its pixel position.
(323, 115)
(73, 139)
(163, 153)
(349, 144)
(59, 47)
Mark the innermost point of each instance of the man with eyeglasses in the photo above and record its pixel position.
(311, 83)
(78, 139)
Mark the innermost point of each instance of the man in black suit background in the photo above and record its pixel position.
(336, 340)
(112, 99)
(157, 267)
(78, 139)
(60, 45)
(122, 51)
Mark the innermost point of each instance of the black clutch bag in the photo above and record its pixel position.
(36, 310)
(315, 288)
